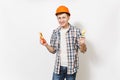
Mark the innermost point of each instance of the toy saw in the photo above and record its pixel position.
(42, 38)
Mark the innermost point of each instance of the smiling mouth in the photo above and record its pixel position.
(62, 23)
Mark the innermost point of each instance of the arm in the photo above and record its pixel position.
(44, 43)
(50, 49)
(81, 41)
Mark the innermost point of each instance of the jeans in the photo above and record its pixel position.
(63, 74)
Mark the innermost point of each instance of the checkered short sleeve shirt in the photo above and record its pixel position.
(73, 36)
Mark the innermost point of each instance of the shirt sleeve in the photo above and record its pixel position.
(53, 40)
(78, 34)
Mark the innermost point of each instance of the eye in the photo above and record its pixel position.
(59, 17)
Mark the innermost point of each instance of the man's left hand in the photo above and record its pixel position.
(83, 47)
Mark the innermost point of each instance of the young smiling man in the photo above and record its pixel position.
(65, 41)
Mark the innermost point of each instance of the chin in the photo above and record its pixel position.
(62, 25)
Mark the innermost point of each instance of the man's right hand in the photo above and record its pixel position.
(43, 42)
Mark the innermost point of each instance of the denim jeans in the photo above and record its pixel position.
(63, 74)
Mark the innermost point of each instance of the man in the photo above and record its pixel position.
(65, 41)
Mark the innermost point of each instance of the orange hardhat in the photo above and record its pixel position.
(62, 9)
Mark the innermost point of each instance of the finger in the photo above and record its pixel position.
(41, 41)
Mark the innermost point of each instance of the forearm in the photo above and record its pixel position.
(50, 49)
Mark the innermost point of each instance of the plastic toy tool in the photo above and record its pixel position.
(42, 38)
(83, 33)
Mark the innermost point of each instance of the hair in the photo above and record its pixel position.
(63, 13)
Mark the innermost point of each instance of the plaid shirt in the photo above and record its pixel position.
(72, 38)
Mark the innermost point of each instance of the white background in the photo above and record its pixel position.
(23, 58)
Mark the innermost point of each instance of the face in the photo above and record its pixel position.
(63, 19)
